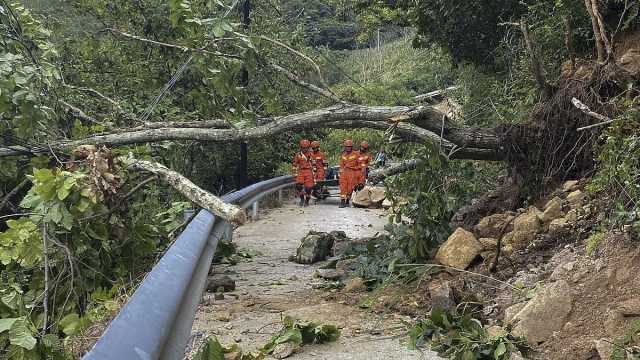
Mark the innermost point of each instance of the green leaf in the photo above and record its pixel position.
(212, 350)
(21, 334)
(501, 349)
(5, 324)
(70, 324)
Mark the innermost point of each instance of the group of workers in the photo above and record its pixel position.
(310, 169)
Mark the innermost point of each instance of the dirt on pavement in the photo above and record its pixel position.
(268, 286)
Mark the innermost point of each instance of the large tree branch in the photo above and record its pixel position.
(538, 73)
(191, 191)
(296, 79)
(429, 119)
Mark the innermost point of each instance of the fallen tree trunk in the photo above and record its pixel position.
(379, 175)
(425, 117)
(191, 191)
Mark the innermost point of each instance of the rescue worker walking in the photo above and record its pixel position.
(320, 169)
(364, 158)
(303, 171)
(349, 172)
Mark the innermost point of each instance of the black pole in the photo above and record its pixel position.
(242, 171)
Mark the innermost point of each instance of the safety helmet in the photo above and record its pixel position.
(304, 143)
(315, 144)
(348, 143)
(364, 145)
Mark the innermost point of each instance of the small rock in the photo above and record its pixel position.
(572, 216)
(355, 285)
(283, 350)
(459, 250)
(216, 282)
(552, 210)
(218, 296)
(491, 226)
(604, 348)
(237, 339)
(488, 255)
(570, 185)
(546, 313)
(329, 274)
(494, 331)
(489, 243)
(386, 204)
(442, 295)
(576, 198)
(223, 316)
(613, 321)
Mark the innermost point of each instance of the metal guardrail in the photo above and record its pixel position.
(156, 322)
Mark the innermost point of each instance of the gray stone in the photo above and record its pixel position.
(511, 312)
(570, 185)
(442, 295)
(576, 198)
(314, 247)
(528, 222)
(546, 313)
(283, 350)
(215, 282)
(355, 285)
(558, 225)
(459, 250)
(604, 348)
(329, 274)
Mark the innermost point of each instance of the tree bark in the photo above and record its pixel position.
(568, 41)
(596, 31)
(191, 191)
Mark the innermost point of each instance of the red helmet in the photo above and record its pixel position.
(348, 143)
(364, 145)
(315, 144)
(304, 143)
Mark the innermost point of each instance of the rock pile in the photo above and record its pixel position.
(317, 246)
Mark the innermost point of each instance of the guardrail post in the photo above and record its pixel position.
(254, 210)
(280, 197)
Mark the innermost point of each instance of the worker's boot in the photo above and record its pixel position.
(342, 203)
(306, 201)
(346, 203)
(301, 201)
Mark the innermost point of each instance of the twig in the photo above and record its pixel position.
(16, 215)
(462, 271)
(494, 263)
(13, 192)
(315, 65)
(96, 93)
(79, 113)
(585, 109)
(296, 79)
(174, 46)
(121, 202)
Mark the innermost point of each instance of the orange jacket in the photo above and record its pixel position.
(350, 161)
(319, 160)
(302, 161)
(364, 159)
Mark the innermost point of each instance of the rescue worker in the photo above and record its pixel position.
(319, 161)
(364, 158)
(320, 169)
(349, 172)
(303, 171)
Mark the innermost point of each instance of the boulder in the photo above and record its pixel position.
(630, 308)
(528, 222)
(314, 247)
(552, 210)
(489, 243)
(546, 313)
(378, 195)
(519, 239)
(576, 198)
(558, 225)
(217, 282)
(488, 254)
(459, 250)
(491, 226)
(369, 197)
(442, 295)
(511, 312)
(355, 285)
(572, 216)
(362, 198)
(569, 186)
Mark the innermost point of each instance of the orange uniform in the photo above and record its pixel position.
(364, 159)
(320, 163)
(303, 171)
(350, 170)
